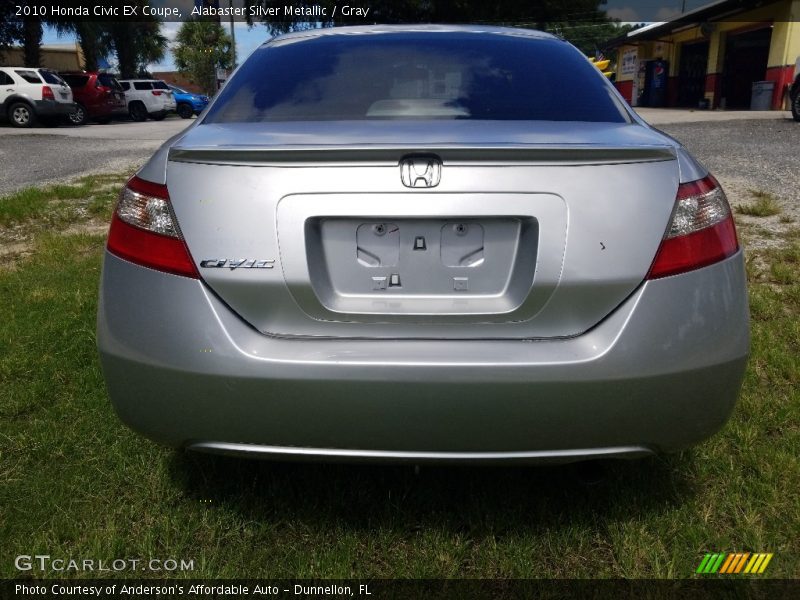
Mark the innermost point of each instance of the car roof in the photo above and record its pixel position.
(26, 68)
(424, 28)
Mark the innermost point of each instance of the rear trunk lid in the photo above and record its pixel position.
(534, 229)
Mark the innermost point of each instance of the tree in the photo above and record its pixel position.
(92, 37)
(10, 29)
(136, 45)
(589, 36)
(201, 47)
(25, 29)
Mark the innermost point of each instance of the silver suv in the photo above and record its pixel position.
(30, 94)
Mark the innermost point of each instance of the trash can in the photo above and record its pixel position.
(761, 99)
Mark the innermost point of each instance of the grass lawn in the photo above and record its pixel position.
(78, 484)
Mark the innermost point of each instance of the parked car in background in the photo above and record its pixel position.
(98, 96)
(423, 243)
(794, 91)
(31, 94)
(188, 103)
(148, 98)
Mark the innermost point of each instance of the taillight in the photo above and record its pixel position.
(701, 231)
(47, 93)
(144, 230)
(157, 93)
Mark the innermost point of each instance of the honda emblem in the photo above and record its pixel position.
(421, 171)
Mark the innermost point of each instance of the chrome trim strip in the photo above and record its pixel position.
(347, 454)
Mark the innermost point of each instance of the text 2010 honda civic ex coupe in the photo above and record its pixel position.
(423, 244)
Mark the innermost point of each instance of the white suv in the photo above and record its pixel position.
(28, 94)
(148, 98)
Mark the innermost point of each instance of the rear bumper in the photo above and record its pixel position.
(661, 373)
(49, 108)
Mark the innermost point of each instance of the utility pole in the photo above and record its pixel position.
(233, 39)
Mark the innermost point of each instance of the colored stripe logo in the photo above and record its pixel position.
(733, 563)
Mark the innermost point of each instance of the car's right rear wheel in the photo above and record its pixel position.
(138, 111)
(79, 116)
(21, 114)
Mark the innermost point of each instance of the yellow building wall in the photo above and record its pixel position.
(783, 17)
(785, 46)
(58, 59)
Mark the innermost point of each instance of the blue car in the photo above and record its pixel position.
(188, 103)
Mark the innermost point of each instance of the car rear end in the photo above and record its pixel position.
(164, 96)
(110, 98)
(56, 96)
(194, 103)
(442, 245)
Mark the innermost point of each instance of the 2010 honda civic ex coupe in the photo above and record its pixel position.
(422, 244)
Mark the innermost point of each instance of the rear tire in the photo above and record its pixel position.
(21, 114)
(79, 116)
(185, 111)
(137, 112)
(796, 106)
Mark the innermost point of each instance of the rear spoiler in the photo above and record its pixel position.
(453, 155)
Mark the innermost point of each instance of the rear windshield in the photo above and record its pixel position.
(108, 81)
(458, 75)
(160, 85)
(142, 85)
(76, 81)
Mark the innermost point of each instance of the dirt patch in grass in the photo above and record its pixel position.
(763, 219)
(80, 206)
(764, 204)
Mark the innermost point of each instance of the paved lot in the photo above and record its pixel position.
(42, 155)
(659, 116)
(739, 145)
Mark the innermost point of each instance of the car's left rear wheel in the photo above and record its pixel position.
(796, 106)
(21, 114)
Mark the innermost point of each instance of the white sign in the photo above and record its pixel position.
(629, 62)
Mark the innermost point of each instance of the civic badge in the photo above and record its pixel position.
(421, 171)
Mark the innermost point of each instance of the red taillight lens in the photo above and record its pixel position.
(144, 230)
(157, 93)
(701, 231)
(47, 93)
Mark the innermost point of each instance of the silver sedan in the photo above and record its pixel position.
(422, 244)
